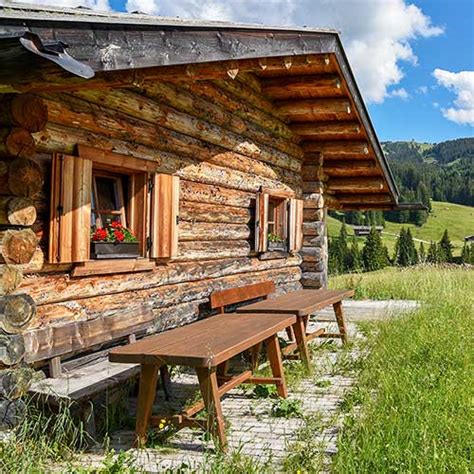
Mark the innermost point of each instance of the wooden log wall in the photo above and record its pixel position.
(221, 137)
(21, 184)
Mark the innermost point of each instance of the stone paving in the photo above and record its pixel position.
(251, 428)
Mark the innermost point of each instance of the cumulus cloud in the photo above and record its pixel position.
(462, 84)
(100, 5)
(401, 93)
(377, 33)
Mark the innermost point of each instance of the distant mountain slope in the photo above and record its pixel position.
(459, 220)
(445, 169)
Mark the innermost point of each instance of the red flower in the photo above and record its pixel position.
(99, 234)
(116, 225)
(119, 235)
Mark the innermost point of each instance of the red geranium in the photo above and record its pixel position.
(99, 234)
(116, 225)
(119, 235)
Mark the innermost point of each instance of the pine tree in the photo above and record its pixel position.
(412, 253)
(373, 253)
(402, 255)
(433, 254)
(421, 253)
(445, 248)
(354, 262)
(465, 254)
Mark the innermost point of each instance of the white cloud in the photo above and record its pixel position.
(462, 84)
(422, 90)
(100, 5)
(377, 33)
(401, 93)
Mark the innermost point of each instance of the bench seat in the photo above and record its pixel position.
(85, 382)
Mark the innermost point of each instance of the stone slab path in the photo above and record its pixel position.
(252, 430)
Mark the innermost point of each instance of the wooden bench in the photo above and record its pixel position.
(302, 304)
(82, 378)
(204, 345)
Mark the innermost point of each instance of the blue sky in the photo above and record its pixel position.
(413, 60)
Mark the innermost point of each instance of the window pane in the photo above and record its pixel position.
(106, 193)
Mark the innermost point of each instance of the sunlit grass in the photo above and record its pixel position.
(411, 410)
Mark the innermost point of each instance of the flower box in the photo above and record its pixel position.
(276, 246)
(104, 250)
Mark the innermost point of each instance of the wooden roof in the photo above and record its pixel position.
(304, 72)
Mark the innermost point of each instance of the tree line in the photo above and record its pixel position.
(345, 256)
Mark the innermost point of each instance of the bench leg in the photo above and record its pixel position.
(338, 311)
(299, 329)
(210, 394)
(146, 397)
(276, 364)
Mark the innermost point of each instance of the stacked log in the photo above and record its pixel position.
(21, 180)
(315, 243)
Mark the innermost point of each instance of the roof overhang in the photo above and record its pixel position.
(304, 72)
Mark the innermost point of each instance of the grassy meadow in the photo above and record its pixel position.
(458, 219)
(411, 410)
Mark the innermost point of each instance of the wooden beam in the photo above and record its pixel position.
(59, 80)
(351, 168)
(356, 185)
(316, 109)
(360, 199)
(367, 207)
(328, 130)
(338, 149)
(314, 64)
(308, 86)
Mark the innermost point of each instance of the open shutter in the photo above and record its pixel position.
(70, 219)
(295, 228)
(164, 216)
(138, 210)
(261, 222)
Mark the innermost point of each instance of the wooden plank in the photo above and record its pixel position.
(220, 299)
(116, 161)
(66, 213)
(204, 343)
(301, 303)
(113, 266)
(85, 382)
(165, 209)
(296, 225)
(81, 211)
(52, 341)
(261, 222)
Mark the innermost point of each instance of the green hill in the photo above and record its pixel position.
(458, 219)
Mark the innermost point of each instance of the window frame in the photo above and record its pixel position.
(139, 209)
(290, 222)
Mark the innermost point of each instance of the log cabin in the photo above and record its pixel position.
(219, 146)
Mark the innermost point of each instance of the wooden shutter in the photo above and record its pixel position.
(138, 208)
(164, 216)
(70, 219)
(295, 228)
(261, 222)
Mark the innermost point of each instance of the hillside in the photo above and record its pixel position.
(458, 219)
(442, 171)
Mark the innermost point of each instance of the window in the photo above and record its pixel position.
(98, 189)
(278, 221)
(108, 198)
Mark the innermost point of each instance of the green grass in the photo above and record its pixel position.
(423, 282)
(411, 410)
(458, 219)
